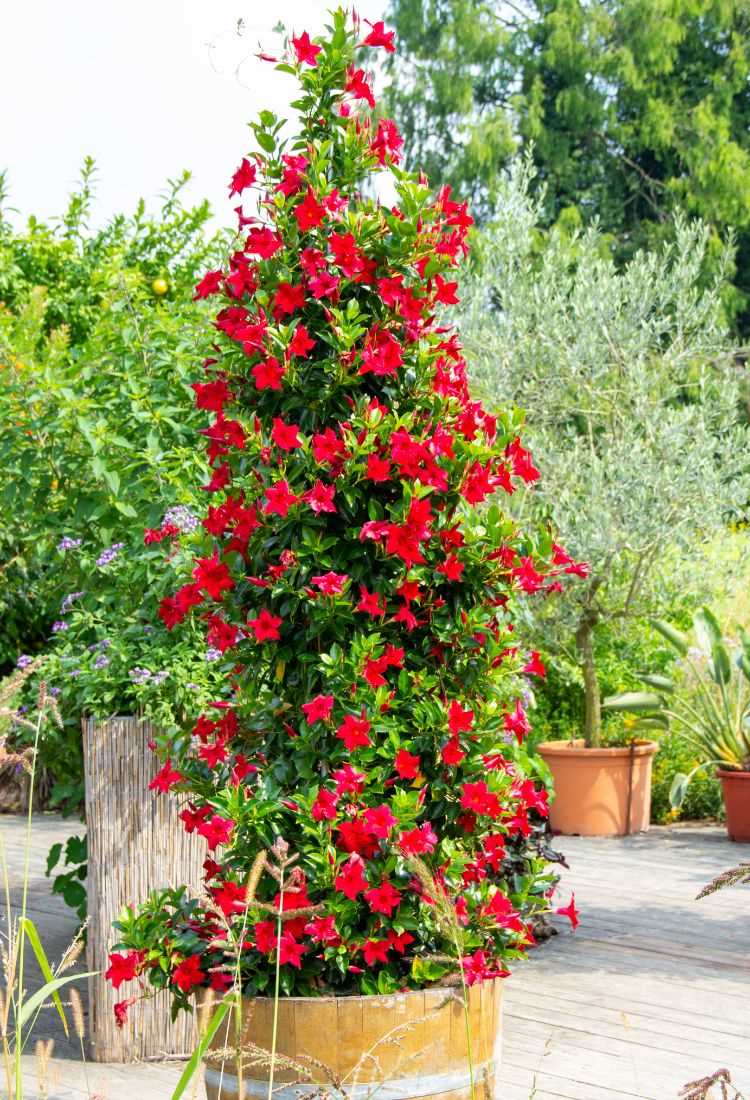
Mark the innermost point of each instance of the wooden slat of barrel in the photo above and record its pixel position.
(136, 843)
(414, 1045)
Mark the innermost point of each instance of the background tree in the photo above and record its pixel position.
(632, 108)
(631, 396)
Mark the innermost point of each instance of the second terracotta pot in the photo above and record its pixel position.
(736, 788)
(600, 792)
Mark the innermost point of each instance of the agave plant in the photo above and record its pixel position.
(711, 707)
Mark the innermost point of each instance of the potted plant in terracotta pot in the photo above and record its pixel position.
(359, 774)
(710, 706)
(631, 392)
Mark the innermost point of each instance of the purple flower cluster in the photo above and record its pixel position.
(101, 661)
(68, 601)
(24, 661)
(213, 654)
(67, 543)
(180, 516)
(59, 626)
(109, 555)
(139, 675)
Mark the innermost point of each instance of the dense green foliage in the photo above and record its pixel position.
(631, 107)
(632, 399)
(95, 355)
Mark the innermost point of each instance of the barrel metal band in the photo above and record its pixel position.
(398, 1088)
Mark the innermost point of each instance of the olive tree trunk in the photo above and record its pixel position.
(592, 723)
(136, 843)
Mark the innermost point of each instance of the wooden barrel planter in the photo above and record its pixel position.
(396, 1047)
(136, 843)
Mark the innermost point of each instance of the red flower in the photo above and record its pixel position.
(320, 498)
(211, 395)
(323, 285)
(459, 720)
(285, 436)
(478, 798)
(451, 568)
(378, 469)
(324, 806)
(230, 897)
(351, 880)
(265, 934)
(379, 36)
(279, 498)
(263, 242)
(387, 143)
(379, 820)
(244, 177)
(188, 973)
(309, 213)
(516, 722)
(287, 299)
(290, 951)
(500, 908)
(354, 836)
(212, 576)
(216, 830)
(327, 448)
(353, 732)
(123, 968)
(529, 580)
(323, 930)
(318, 709)
(301, 343)
(383, 899)
(305, 50)
(570, 912)
(348, 780)
(406, 764)
(399, 941)
(121, 1011)
(268, 374)
(445, 292)
(419, 840)
(477, 968)
(209, 284)
(165, 779)
(370, 603)
(451, 752)
(330, 584)
(357, 86)
(535, 666)
(375, 951)
(265, 627)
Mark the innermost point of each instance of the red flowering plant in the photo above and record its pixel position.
(359, 582)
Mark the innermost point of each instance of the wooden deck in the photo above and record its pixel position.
(651, 991)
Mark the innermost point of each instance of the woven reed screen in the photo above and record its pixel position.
(136, 843)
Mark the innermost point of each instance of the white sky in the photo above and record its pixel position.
(146, 87)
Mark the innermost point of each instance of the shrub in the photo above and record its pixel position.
(362, 771)
(95, 401)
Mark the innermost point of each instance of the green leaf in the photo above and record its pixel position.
(197, 1055)
(663, 683)
(33, 938)
(707, 630)
(720, 666)
(675, 637)
(635, 702)
(678, 790)
(53, 857)
(49, 989)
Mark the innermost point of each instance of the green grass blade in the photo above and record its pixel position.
(37, 999)
(213, 1026)
(33, 937)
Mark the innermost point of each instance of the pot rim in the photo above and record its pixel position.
(732, 773)
(444, 990)
(576, 747)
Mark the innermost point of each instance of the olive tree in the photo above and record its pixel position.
(632, 397)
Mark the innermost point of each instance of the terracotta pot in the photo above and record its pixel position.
(399, 1047)
(600, 792)
(736, 788)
